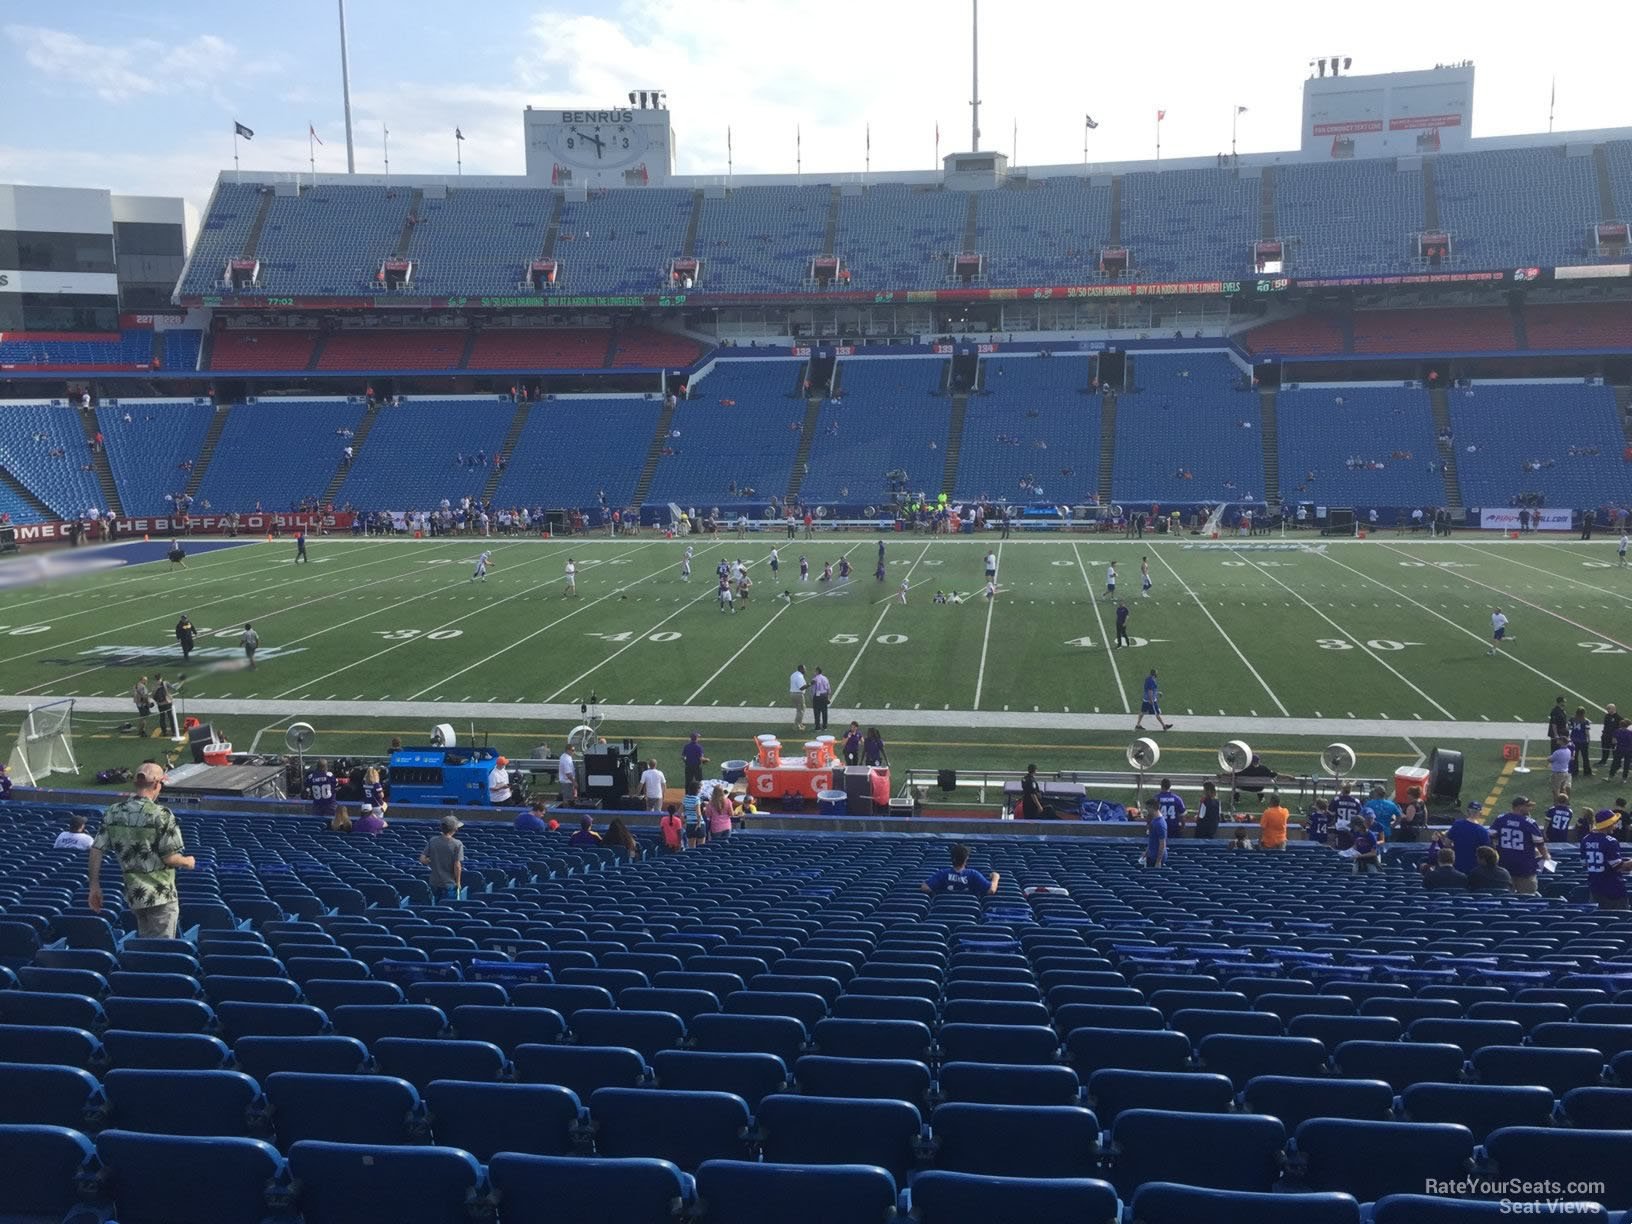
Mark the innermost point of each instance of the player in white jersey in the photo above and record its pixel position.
(991, 566)
(776, 563)
(482, 562)
(991, 589)
(737, 571)
(804, 568)
(1144, 577)
(901, 591)
(1620, 548)
(1498, 630)
(1110, 581)
(572, 577)
(685, 565)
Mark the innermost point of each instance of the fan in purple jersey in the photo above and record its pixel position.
(1606, 869)
(1519, 844)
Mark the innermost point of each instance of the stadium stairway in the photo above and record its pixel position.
(1442, 422)
(99, 462)
(344, 470)
(321, 343)
(253, 239)
(207, 452)
(1107, 447)
(1521, 333)
(552, 231)
(954, 442)
(971, 225)
(1606, 186)
(1430, 196)
(409, 224)
(830, 235)
(807, 439)
(688, 247)
(518, 423)
(42, 512)
(1269, 433)
(1113, 233)
(1266, 207)
(654, 452)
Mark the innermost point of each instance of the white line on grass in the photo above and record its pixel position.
(1510, 597)
(986, 638)
(1550, 573)
(545, 629)
(1228, 640)
(146, 575)
(551, 581)
(1099, 621)
(260, 616)
(1480, 638)
(1359, 643)
(888, 602)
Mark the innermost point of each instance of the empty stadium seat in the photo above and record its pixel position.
(1399, 1157)
(588, 1190)
(172, 1102)
(484, 1119)
(833, 1130)
(1221, 1151)
(338, 1182)
(188, 1179)
(1168, 1203)
(742, 1192)
(341, 1108)
(686, 1128)
(1016, 1140)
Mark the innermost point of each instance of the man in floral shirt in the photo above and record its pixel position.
(143, 836)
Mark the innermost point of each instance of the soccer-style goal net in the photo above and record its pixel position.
(45, 743)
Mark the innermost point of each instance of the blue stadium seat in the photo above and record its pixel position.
(878, 1007)
(35, 1008)
(155, 985)
(186, 1179)
(584, 1069)
(1333, 1031)
(1558, 1070)
(165, 1051)
(744, 1192)
(39, 1095)
(270, 1020)
(808, 1009)
(340, 1183)
(259, 1057)
(370, 1022)
(780, 1035)
(1221, 1151)
(1072, 1016)
(449, 995)
(942, 1197)
(898, 1039)
(887, 1079)
(1008, 1084)
(1016, 1140)
(1469, 1035)
(341, 1108)
(833, 1130)
(420, 1060)
(1090, 1049)
(168, 1102)
(329, 994)
(222, 988)
(508, 1027)
(483, 1119)
(645, 1031)
(994, 1012)
(49, 1044)
(66, 981)
(1164, 1202)
(1295, 1099)
(588, 1190)
(159, 1015)
(750, 1075)
(1611, 1040)
(1113, 1091)
(1553, 1154)
(1401, 1064)
(686, 1128)
(560, 997)
(1599, 1108)
(40, 1171)
(1243, 1057)
(1373, 1159)
(999, 1043)
(1481, 1108)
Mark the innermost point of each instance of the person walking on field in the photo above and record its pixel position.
(144, 704)
(251, 642)
(143, 835)
(1151, 703)
(797, 684)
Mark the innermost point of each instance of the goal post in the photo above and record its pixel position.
(45, 743)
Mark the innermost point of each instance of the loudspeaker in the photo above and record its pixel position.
(197, 737)
(948, 779)
(1444, 774)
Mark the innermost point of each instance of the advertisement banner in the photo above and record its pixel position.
(198, 524)
(1542, 519)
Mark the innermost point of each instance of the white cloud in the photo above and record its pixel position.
(120, 72)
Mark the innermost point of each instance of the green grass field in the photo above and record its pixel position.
(1287, 644)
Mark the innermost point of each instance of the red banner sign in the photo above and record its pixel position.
(198, 524)
(1409, 123)
(1352, 127)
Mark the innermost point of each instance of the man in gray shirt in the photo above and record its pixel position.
(445, 856)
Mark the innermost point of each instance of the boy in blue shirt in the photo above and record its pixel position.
(1156, 842)
(960, 877)
(1466, 835)
(1383, 810)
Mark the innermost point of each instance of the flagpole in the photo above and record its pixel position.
(458, 154)
(311, 151)
(387, 138)
(1158, 135)
(235, 177)
(798, 151)
(1552, 100)
(728, 167)
(1085, 142)
(867, 161)
(1014, 144)
(1235, 116)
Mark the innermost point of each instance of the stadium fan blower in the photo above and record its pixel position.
(1338, 761)
(1143, 754)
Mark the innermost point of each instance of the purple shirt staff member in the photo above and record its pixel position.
(821, 689)
(1606, 869)
(1520, 844)
(693, 759)
(960, 877)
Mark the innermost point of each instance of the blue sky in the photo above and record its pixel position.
(141, 98)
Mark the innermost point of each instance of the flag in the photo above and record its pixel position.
(239, 129)
(457, 134)
(1089, 122)
(312, 132)
(1240, 110)
(1160, 115)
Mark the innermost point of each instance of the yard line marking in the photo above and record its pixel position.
(1512, 598)
(145, 575)
(1549, 573)
(1099, 622)
(1359, 642)
(701, 687)
(165, 617)
(1478, 637)
(544, 629)
(1228, 640)
(888, 603)
(986, 638)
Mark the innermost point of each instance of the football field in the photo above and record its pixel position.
(1293, 642)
